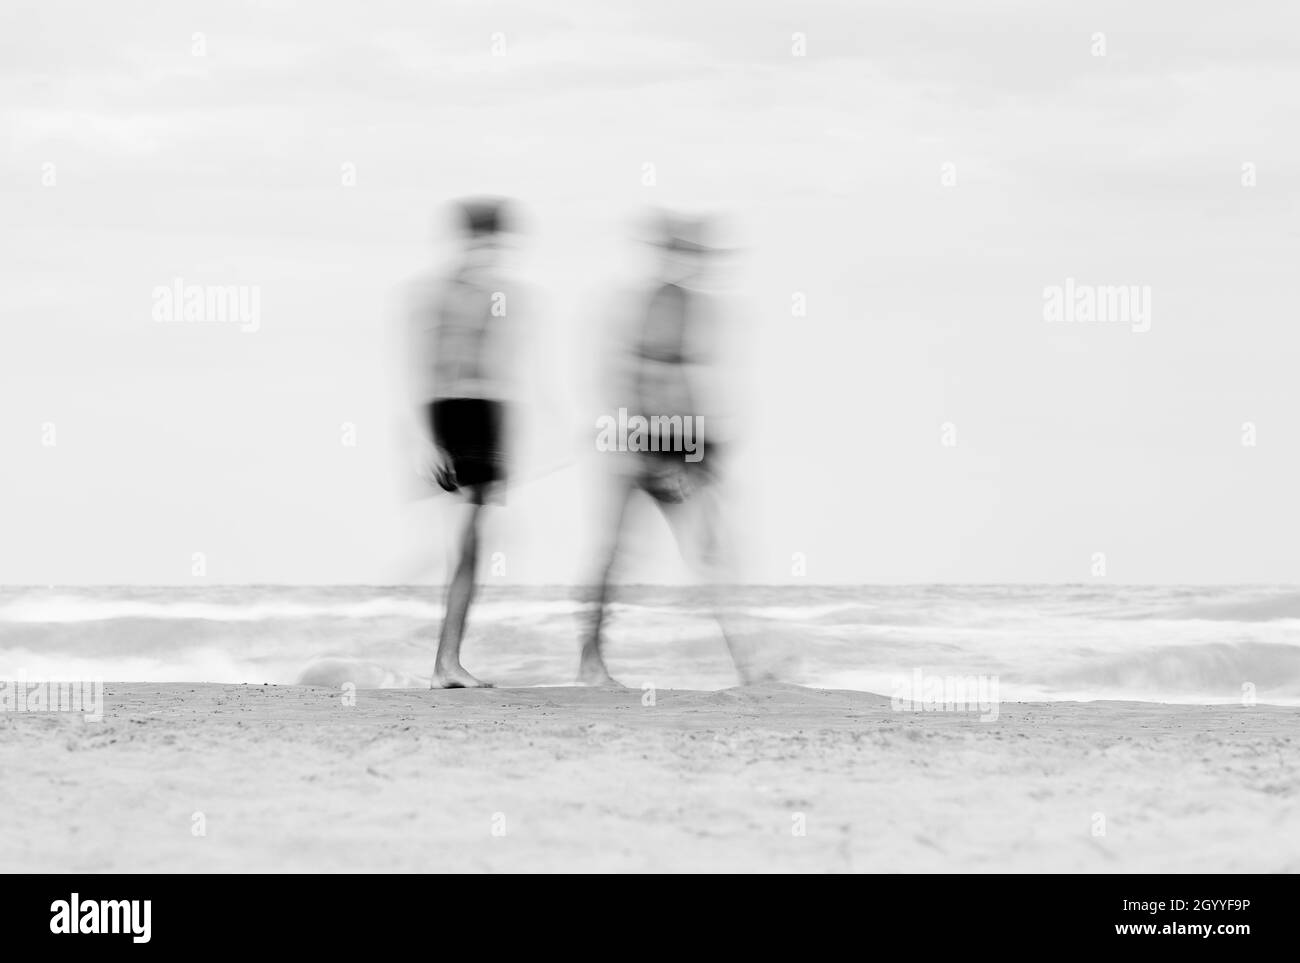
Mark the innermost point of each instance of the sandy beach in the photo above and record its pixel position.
(188, 777)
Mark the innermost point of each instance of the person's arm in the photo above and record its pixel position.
(433, 464)
(717, 369)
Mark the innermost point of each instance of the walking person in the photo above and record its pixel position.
(464, 355)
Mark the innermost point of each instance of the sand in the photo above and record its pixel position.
(772, 778)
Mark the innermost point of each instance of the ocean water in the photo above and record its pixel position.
(1172, 644)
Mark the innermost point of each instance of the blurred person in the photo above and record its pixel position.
(463, 355)
(666, 430)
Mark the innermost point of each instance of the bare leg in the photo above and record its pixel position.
(698, 525)
(448, 673)
(591, 663)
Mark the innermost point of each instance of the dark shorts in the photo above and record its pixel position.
(472, 432)
(667, 477)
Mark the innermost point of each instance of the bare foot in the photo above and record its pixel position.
(455, 677)
(592, 672)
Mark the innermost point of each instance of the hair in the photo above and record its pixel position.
(483, 216)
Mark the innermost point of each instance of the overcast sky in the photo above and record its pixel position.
(129, 161)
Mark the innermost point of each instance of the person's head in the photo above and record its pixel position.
(483, 224)
(686, 252)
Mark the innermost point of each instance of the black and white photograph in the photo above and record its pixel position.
(675, 437)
